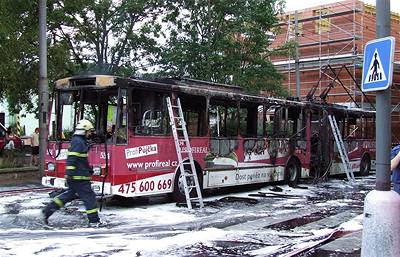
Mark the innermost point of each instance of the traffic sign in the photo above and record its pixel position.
(378, 64)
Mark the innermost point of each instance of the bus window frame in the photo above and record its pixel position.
(121, 114)
(221, 122)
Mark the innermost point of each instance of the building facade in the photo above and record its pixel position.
(331, 39)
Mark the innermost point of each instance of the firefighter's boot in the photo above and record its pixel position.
(97, 225)
(44, 217)
(48, 211)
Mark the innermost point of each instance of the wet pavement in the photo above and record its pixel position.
(255, 221)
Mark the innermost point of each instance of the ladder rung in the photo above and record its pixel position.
(341, 148)
(177, 123)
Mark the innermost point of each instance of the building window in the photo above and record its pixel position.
(292, 29)
(322, 25)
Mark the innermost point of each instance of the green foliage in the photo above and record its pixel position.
(84, 36)
(223, 41)
(18, 49)
(106, 37)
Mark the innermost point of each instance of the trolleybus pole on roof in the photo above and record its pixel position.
(381, 222)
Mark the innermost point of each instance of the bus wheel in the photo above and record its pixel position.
(292, 172)
(365, 165)
(178, 195)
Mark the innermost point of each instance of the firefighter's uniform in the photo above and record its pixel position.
(78, 174)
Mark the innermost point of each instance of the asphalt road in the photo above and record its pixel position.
(272, 220)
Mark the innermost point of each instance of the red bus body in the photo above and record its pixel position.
(147, 164)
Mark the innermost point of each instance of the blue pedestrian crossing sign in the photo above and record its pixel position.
(378, 64)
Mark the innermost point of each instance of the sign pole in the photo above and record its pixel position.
(381, 221)
(383, 105)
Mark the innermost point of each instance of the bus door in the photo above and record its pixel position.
(224, 128)
(117, 137)
(288, 131)
(150, 154)
(353, 135)
(225, 151)
(321, 149)
(252, 129)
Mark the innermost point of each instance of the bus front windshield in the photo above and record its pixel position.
(105, 109)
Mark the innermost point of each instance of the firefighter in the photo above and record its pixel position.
(78, 174)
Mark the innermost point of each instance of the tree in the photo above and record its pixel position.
(18, 49)
(84, 36)
(223, 41)
(106, 36)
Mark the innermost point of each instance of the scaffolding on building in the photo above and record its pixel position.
(334, 35)
(328, 35)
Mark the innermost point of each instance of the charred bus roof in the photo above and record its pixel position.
(94, 81)
(194, 87)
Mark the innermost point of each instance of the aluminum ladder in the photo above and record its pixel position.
(341, 148)
(190, 179)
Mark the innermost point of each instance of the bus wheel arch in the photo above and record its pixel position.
(178, 194)
(365, 165)
(292, 171)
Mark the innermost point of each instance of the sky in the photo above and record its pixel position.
(292, 5)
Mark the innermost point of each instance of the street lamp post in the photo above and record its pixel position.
(43, 87)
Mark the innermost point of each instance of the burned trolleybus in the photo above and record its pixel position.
(236, 138)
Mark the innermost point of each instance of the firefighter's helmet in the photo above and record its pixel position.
(84, 125)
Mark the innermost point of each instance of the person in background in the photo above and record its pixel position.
(78, 175)
(9, 139)
(35, 147)
(395, 168)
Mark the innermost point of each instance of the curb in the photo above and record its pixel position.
(17, 176)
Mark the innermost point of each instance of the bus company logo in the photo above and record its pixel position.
(141, 151)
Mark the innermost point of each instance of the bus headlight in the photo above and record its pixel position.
(96, 171)
(51, 166)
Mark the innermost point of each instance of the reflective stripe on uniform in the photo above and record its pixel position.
(91, 211)
(78, 154)
(58, 202)
(71, 167)
(77, 177)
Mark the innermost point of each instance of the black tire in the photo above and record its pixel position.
(365, 165)
(178, 195)
(292, 172)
